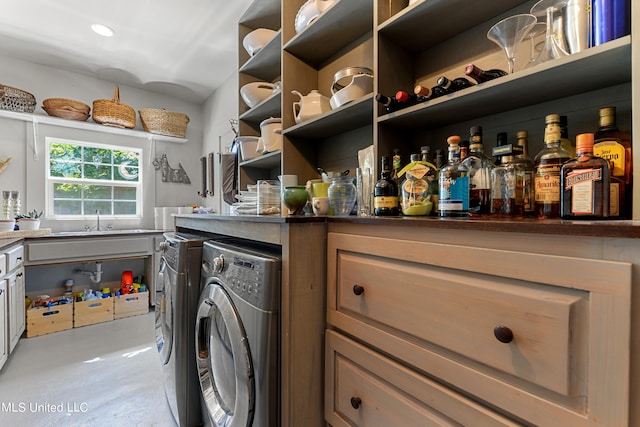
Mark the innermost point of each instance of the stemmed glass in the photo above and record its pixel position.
(538, 29)
(552, 48)
(508, 34)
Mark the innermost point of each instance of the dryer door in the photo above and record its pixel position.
(167, 279)
(225, 367)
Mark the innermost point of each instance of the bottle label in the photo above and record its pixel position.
(547, 184)
(412, 186)
(581, 184)
(614, 199)
(552, 132)
(613, 152)
(454, 194)
(385, 202)
(418, 171)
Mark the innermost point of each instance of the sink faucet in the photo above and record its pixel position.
(97, 220)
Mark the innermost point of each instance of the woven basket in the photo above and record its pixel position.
(164, 122)
(65, 104)
(13, 99)
(112, 112)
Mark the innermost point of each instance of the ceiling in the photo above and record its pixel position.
(183, 48)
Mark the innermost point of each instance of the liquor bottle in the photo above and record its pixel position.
(416, 199)
(453, 183)
(482, 76)
(438, 159)
(479, 166)
(385, 192)
(614, 145)
(584, 182)
(453, 85)
(507, 199)
(548, 163)
(529, 167)
(464, 150)
(565, 142)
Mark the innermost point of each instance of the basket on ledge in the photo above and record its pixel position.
(112, 112)
(163, 122)
(13, 99)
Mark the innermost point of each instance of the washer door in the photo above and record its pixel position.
(225, 366)
(164, 310)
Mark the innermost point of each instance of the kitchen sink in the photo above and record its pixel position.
(101, 232)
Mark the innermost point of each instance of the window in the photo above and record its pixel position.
(83, 178)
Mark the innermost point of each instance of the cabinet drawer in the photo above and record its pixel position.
(15, 257)
(459, 312)
(61, 250)
(365, 388)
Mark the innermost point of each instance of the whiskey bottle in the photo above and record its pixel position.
(416, 199)
(482, 76)
(453, 185)
(548, 164)
(453, 85)
(385, 192)
(614, 145)
(479, 167)
(529, 167)
(584, 182)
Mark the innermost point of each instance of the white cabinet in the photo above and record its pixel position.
(4, 344)
(16, 291)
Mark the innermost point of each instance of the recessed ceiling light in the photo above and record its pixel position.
(103, 30)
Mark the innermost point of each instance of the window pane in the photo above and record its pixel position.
(102, 192)
(67, 207)
(91, 206)
(130, 157)
(124, 172)
(124, 193)
(65, 152)
(67, 191)
(65, 169)
(97, 172)
(124, 208)
(97, 155)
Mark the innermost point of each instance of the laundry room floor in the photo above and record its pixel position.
(107, 374)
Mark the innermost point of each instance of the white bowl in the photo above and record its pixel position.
(7, 224)
(254, 93)
(310, 11)
(248, 147)
(256, 39)
(361, 85)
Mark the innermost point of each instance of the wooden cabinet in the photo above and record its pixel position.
(532, 337)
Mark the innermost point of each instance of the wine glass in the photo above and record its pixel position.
(552, 48)
(509, 32)
(538, 29)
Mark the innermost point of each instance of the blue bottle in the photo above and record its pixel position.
(611, 19)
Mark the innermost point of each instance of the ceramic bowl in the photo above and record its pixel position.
(7, 224)
(310, 11)
(254, 93)
(361, 85)
(294, 198)
(257, 39)
(248, 147)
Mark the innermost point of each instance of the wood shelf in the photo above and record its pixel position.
(270, 107)
(265, 161)
(265, 64)
(89, 126)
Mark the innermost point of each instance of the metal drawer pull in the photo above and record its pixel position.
(503, 334)
(358, 290)
(356, 402)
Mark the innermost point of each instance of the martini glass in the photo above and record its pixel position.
(552, 48)
(538, 29)
(509, 32)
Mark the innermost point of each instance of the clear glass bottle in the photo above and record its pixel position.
(506, 181)
(416, 199)
(453, 183)
(479, 167)
(615, 146)
(585, 183)
(548, 163)
(385, 192)
(529, 167)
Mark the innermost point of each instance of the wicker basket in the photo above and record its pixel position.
(112, 112)
(164, 122)
(13, 99)
(66, 104)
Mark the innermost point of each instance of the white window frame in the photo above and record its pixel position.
(50, 181)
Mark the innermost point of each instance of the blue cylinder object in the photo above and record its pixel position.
(611, 19)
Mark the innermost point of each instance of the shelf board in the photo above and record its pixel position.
(351, 116)
(268, 108)
(89, 126)
(262, 14)
(438, 20)
(602, 66)
(345, 21)
(265, 161)
(265, 64)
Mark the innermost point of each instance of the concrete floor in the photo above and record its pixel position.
(107, 374)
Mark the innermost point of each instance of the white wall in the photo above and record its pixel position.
(26, 174)
(218, 109)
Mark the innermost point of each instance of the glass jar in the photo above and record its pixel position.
(342, 195)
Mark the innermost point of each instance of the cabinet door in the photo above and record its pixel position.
(4, 345)
(15, 307)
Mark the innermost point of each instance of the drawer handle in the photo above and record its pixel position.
(503, 334)
(358, 290)
(356, 402)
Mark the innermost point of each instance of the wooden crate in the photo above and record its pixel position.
(92, 312)
(42, 320)
(131, 305)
